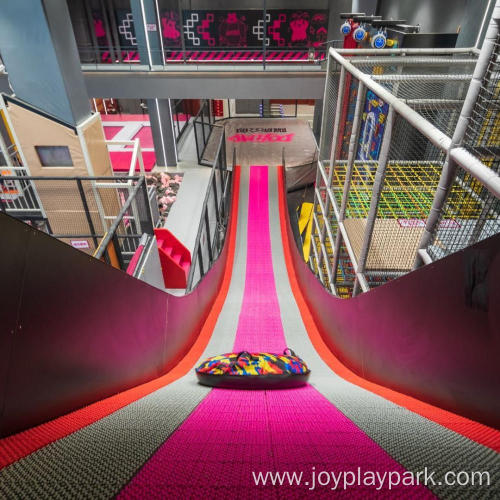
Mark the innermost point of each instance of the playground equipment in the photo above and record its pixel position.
(385, 154)
(380, 39)
(362, 31)
(348, 27)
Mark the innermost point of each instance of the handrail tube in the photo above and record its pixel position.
(391, 61)
(386, 51)
(197, 247)
(111, 231)
(435, 135)
(67, 178)
(485, 175)
(424, 78)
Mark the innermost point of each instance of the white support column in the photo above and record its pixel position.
(335, 136)
(353, 142)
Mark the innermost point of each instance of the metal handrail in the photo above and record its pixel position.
(411, 51)
(114, 226)
(447, 145)
(67, 178)
(96, 54)
(30, 208)
(197, 246)
(430, 131)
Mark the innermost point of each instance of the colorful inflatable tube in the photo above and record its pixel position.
(261, 370)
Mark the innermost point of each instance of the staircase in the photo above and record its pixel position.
(268, 110)
(175, 259)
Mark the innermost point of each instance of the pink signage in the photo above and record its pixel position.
(412, 223)
(270, 137)
(80, 244)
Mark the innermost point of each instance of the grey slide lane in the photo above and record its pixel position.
(409, 438)
(98, 460)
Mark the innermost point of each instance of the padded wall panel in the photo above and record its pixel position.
(34, 129)
(93, 135)
(13, 262)
(426, 334)
(87, 330)
(187, 314)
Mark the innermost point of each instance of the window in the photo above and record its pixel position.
(54, 156)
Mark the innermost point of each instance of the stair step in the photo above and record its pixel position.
(186, 266)
(168, 250)
(176, 257)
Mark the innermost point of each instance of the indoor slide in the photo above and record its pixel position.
(174, 438)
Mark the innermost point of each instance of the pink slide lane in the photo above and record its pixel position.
(233, 435)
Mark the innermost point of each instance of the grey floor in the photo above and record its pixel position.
(185, 215)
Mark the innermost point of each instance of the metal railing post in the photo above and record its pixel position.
(333, 155)
(378, 185)
(114, 226)
(107, 31)
(264, 38)
(336, 124)
(203, 128)
(209, 238)
(195, 123)
(147, 225)
(353, 142)
(200, 263)
(87, 212)
(450, 167)
(216, 199)
(183, 41)
(91, 30)
(222, 171)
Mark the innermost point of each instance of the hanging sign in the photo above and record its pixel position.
(80, 244)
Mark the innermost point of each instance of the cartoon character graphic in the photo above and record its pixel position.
(299, 22)
(317, 30)
(373, 125)
(233, 31)
(99, 28)
(170, 28)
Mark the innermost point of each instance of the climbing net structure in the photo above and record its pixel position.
(400, 181)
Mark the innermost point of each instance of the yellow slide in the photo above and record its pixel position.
(305, 228)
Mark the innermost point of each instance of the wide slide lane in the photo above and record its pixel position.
(184, 440)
